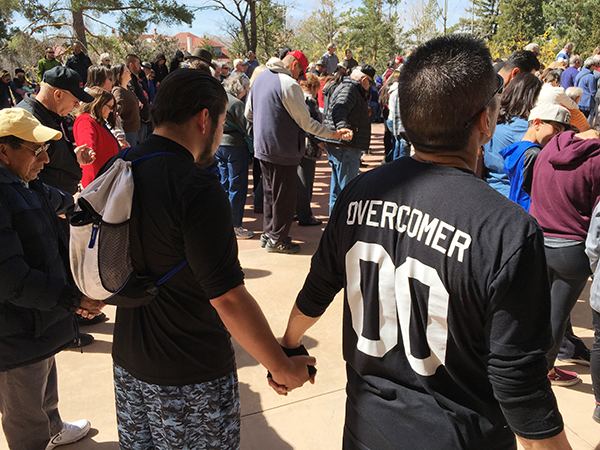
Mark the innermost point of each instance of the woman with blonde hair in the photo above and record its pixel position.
(90, 129)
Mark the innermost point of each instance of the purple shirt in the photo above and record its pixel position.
(567, 79)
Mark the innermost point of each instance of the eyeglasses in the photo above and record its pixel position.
(37, 151)
(111, 107)
(498, 90)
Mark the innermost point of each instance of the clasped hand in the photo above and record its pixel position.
(294, 375)
(89, 308)
(345, 134)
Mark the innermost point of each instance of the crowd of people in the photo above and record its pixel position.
(493, 278)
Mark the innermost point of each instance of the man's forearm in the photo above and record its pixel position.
(298, 323)
(247, 324)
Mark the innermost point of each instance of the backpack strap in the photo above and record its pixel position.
(175, 269)
(172, 272)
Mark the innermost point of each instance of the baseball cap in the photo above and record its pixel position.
(533, 47)
(301, 58)
(553, 113)
(147, 65)
(378, 81)
(21, 123)
(319, 63)
(368, 70)
(62, 77)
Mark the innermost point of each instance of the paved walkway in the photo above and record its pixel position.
(307, 419)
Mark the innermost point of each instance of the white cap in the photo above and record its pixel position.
(551, 112)
(533, 47)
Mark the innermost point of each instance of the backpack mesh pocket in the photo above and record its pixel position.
(114, 264)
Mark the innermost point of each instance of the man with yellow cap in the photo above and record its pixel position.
(38, 298)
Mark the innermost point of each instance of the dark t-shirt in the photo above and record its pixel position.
(181, 211)
(446, 315)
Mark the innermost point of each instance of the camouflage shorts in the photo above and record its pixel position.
(203, 416)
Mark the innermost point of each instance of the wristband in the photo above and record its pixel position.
(298, 351)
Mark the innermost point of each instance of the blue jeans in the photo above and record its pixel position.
(345, 165)
(401, 147)
(233, 166)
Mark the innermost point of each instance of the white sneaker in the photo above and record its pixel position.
(242, 233)
(71, 432)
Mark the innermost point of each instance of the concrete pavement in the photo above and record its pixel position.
(310, 418)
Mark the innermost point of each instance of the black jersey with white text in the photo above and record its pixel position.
(446, 315)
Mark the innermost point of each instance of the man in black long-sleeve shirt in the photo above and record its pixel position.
(446, 315)
(135, 66)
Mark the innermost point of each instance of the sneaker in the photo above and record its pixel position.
(84, 321)
(71, 432)
(563, 378)
(596, 415)
(263, 240)
(242, 233)
(313, 221)
(287, 246)
(581, 360)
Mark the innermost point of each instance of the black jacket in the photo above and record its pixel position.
(63, 171)
(175, 61)
(79, 63)
(160, 71)
(348, 109)
(37, 297)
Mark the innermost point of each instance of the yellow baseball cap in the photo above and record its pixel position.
(21, 123)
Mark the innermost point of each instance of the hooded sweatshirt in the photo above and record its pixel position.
(276, 107)
(514, 159)
(566, 186)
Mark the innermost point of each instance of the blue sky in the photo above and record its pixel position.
(211, 22)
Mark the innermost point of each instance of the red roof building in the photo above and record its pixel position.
(188, 42)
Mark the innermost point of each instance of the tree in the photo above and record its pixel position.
(319, 28)
(573, 21)
(423, 15)
(372, 31)
(134, 15)
(242, 26)
(520, 21)
(481, 19)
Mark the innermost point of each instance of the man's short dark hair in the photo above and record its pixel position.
(524, 60)
(12, 141)
(443, 86)
(130, 59)
(186, 92)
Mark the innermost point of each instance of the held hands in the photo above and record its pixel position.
(85, 155)
(343, 133)
(89, 308)
(299, 370)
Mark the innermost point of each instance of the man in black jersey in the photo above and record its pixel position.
(446, 305)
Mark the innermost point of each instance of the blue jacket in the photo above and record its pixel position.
(586, 81)
(506, 134)
(514, 158)
(37, 297)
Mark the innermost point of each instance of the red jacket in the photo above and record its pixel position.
(87, 131)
